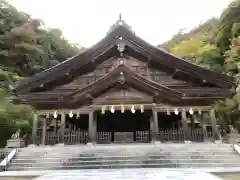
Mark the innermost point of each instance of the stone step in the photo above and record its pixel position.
(123, 152)
(103, 149)
(124, 149)
(137, 150)
(109, 148)
(230, 156)
(122, 159)
(125, 156)
(107, 166)
(127, 151)
(128, 156)
(139, 161)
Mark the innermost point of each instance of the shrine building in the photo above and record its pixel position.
(122, 89)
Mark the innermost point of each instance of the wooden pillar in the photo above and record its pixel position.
(204, 126)
(44, 128)
(214, 124)
(34, 128)
(62, 130)
(154, 125)
(92, 127)
(184, 123)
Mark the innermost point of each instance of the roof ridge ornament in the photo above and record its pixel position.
(120, 17)
(120, 22)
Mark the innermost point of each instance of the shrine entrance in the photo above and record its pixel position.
(169, 121)
(123, 126)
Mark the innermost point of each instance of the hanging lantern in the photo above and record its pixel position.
(141, 108)
(78, 114)
(122, 109)
(191, 111)
(168, 111)
(176, 111)
(133, 110)
(112, 109)
(70, 114)
(199, 112)
(103, 110)
(55, 114)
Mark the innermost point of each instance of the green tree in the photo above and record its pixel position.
(13, 117)
(232, 61)
(215, 44)
(198, 46)
(26, 47)
(228, 26)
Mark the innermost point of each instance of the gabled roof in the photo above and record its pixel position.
(120, 76)
(107, 47)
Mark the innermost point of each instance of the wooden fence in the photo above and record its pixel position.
(164, 135)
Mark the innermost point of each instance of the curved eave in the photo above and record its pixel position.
(174, 62)
(72, 63)
(134, 42)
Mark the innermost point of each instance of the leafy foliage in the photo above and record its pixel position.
(26, 48)
(214, 44)
(228, 26)
(198, 45)
(13, 117)
(232, 61)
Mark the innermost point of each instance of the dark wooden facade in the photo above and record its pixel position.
(146, 69)
(123, 69)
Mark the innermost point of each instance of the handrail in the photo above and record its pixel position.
(236, 148)
(7, 159)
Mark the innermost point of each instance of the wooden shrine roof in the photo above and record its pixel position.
(120, 76)
(120, 33)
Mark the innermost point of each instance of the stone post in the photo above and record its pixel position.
(34, 128)
(92, 127)
(154, 125)
(214, 124)
(62, 131)
(184, 124)
(44, 128)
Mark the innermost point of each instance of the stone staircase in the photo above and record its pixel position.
(125, 156)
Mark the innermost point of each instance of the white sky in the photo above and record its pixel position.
(87, 21)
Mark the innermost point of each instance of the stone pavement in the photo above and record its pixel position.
(131, 174)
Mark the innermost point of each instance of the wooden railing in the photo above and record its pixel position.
(176, 135)
(142, 136)
(164, 135)
(104, 137)
(73, 137)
